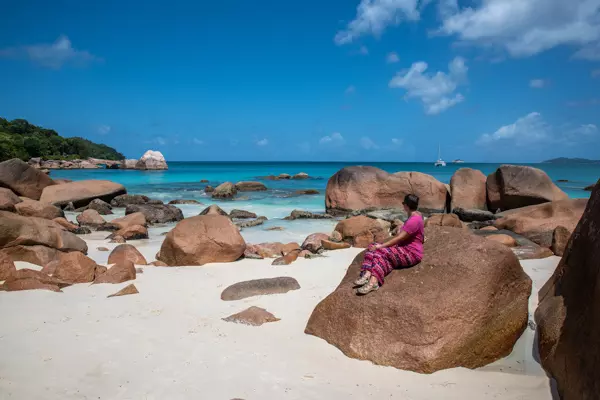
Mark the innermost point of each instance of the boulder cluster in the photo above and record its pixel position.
(528, 211)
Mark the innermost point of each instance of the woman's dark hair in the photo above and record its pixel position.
(411, 201)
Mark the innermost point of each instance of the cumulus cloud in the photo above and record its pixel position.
(262, 142)
(437, 91)
(52, 55)
(335, 139)
(374, 16)
(519, 27)
(368, 144)
(528, 27)
(104, 129)
(392, 58)
(537, 83)
(526, 130)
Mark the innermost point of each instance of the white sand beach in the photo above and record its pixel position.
(170, 342)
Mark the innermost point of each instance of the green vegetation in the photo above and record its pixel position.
(20, 139)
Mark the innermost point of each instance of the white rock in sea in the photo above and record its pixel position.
(128, 164)
(152, 160)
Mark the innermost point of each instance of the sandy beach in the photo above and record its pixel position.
(169, 341)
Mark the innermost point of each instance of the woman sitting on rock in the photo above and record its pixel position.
(404, 250)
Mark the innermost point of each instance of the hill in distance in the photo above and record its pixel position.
(20, 139)
(565, 160)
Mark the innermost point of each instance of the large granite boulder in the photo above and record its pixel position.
(23, 179)
(136, 218)
(126, 252)
(34, 208)
(361, 231)
(515, 186)
(90, 218)
(450, 220)
(464, 305)
(202, 239)
(358, 188)
(132, 232)
(29, 279)
(36, 254)
(102, 207)
(7, 266)
(152, 160)
(156, 213)
(81, 193)
(270, 250)
(17, 230)
(213, 210)
(124, 200)
(118, 273)
(73, 267)
(537, 223)
(314, 242)
(250, 186)
(568, 317)
(129, 163)
(468, 190)
(225, 190)
(8, 200)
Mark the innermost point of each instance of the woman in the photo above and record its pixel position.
(404, 250)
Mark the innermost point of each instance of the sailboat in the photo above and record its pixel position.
(440, 162)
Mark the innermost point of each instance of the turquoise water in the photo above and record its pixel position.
(182, 181)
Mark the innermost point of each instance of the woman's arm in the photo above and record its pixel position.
(400, 237)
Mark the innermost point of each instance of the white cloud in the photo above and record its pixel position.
(527, 27)
(158, 140)
(537, 83)
(335, 139)
(436, 91)
(197, 141)
(104, 129)
(373, 16)
(262, 142)
(585, 130)
(526, 130)
(392, 58)
(397, 142)
(596, 73)
(368, 144)
(53, 55)
(350, 90)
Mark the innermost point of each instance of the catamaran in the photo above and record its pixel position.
(440, 162)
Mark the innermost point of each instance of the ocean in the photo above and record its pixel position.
(182, 181)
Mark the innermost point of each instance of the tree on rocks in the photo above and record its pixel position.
(464, 305)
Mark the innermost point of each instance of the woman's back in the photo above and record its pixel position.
(415, 228)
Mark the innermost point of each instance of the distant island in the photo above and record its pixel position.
(20, 139)
(565, 160)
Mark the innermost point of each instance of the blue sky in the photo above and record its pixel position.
(336, 80)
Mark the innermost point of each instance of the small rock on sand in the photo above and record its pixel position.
(129, 289)
(254, 316)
